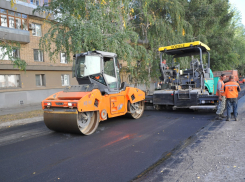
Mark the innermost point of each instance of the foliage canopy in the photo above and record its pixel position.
(136, 29)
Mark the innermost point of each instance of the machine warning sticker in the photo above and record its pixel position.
(119, 107)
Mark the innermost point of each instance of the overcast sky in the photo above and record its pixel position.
(240, 5)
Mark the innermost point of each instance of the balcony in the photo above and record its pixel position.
(18, 35)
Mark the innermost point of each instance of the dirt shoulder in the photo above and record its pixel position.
(19, 116)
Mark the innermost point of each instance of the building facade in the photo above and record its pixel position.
(42, 77)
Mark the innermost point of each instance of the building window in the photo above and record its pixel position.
(40, 80)
(63, 58)
(45, 2)
(37, 30)
(18, 23)
(13, 19)
(11, 22)
(9, 81)
(35, 2)
(15, 54)
(65, 80)
(38, 55)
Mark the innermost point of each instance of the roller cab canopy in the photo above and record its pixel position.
(185, 49)
(102, 53)
(99, 67)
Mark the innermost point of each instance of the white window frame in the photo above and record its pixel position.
(40, 55)
(4, 80)
(63, 79)
(34, 31)
(63, 58)
(42, 80)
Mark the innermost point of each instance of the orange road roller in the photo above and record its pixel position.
(99, 95)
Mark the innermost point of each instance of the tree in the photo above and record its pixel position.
(158, 23)
(239, 40)
(81, 25)
(136, 29)
(211, 23)
(85, 25)
(132, 29)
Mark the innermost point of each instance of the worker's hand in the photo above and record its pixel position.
(220, 98)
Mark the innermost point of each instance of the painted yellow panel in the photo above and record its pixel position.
(183, 45)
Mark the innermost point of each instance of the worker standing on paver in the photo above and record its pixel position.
(164, 64)
(222, 98)
(231, 89)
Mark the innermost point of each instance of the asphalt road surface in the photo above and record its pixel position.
(120, 149)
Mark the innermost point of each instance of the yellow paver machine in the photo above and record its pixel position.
(99, 95)
(192, 87)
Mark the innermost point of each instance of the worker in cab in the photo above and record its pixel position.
(222, 98)
(231, 89)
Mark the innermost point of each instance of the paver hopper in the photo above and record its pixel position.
(100, 94)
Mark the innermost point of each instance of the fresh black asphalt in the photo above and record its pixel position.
(120, 149)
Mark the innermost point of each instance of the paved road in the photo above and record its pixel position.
(216, 154)
(120, 149)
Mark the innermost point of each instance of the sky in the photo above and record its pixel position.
(240, 5)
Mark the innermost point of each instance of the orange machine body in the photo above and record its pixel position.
(115, 104)
(241, 80)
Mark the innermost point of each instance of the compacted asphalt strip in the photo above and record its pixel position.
(119, 150)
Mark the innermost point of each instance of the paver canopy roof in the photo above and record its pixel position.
(190, 48)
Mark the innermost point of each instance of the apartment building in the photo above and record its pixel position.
(42, 76)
